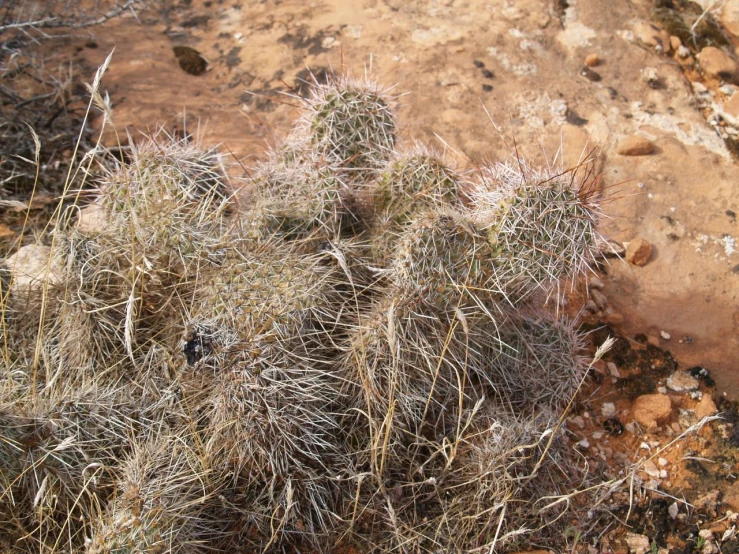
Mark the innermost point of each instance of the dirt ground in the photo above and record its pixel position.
(484, 79)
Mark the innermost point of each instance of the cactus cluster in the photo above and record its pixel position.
(354, 352)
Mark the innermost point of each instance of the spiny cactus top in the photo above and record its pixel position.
(540, 224)
(414, 180)
(350, 122)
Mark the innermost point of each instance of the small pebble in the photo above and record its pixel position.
(613, 369)
(599, 298)
(651, 469)
(487, 74)
(665, 335)
(487, 88)
(638, 251)
(635, 145)
(663, 474)
(584, 443)
(682, 381)
(595, 282)
(478, 63)
(591, 60)
(650, 76)
(598, 435)
(662, 462)
(579, 421)
(608, 409)
(699, 88)
(673, 510)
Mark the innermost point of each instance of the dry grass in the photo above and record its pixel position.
(41, 100)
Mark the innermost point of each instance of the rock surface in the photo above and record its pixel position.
(730, 16)
(678, 199)
(608, 409)
(651, 35)
(731, 106)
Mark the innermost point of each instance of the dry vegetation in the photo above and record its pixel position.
(353, 353)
